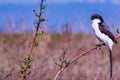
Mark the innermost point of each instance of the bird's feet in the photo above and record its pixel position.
(100, 44)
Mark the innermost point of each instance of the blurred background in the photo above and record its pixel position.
(15, 13)
(68, 27)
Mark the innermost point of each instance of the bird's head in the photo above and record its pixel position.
(97, 17)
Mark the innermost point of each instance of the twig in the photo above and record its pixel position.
(27, 60)
(60, 71)
(80, 55)
(37, 27)
(62, 66)
(76, 58)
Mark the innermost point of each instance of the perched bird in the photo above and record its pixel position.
(103, 34)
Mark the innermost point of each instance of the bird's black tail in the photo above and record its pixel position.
(110, 51)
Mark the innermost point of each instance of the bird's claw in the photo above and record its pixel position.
(100, 44)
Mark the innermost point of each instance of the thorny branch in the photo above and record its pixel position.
(26, 61)
(37, 26)
(75, 59)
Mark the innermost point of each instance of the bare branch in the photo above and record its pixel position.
(76, 58)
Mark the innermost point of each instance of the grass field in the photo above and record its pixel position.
(94, 66)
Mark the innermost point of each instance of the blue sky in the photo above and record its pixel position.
(58, 12)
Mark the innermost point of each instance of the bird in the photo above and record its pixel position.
(104, 35)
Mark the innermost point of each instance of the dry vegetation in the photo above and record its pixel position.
(48, 54)
(91, 67)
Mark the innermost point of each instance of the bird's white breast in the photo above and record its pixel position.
(99, 34)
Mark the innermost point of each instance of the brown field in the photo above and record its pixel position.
(93, 66)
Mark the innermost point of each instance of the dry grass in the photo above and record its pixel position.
(92, 67)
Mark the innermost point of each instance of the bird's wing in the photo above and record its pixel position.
(104, 29)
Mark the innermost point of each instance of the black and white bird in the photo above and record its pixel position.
(103, 34)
